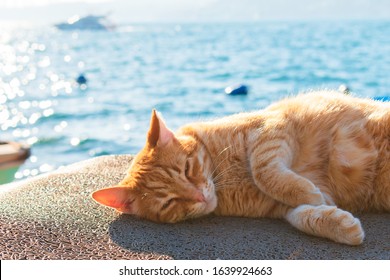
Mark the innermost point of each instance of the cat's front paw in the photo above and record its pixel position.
(311, 196)
(327, 221)
(350, 229)
(315, 197)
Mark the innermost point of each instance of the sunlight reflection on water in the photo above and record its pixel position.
(181, 70)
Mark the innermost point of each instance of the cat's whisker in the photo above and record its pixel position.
(221, 175)
(223, 172)
(225, 159)
(223, 185)
(224, 150)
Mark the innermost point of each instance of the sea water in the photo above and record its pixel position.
(179, 69)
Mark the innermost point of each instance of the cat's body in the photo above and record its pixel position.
(302, 159)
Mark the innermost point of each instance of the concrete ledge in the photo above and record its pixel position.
(53, 217)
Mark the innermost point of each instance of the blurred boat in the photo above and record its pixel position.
(12, 156)
(89, 22)
(237, 90)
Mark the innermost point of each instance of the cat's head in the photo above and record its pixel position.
(168, 181)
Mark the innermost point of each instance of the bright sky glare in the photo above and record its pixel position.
(31, 3)
(49, 11)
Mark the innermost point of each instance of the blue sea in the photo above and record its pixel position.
(179, 69)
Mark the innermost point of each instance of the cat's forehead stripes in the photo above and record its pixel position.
(156, 194)
(156, 175)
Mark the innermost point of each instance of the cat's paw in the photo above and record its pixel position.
(315, 197)
(350, 230)
(327, 221)
(312, 196)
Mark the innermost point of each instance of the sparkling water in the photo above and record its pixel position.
(179, 69)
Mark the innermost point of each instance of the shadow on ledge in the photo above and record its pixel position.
(242, 238)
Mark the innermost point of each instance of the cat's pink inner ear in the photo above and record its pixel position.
(120, 197)
(159, 134)
(166, 135)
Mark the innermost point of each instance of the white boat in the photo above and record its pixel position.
(89, 22)
(12, 156)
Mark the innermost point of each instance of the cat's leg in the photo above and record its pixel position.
(275, 179)
(327, 221)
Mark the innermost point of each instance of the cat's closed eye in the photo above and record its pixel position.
(167, 204)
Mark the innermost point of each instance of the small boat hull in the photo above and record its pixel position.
(12, 156)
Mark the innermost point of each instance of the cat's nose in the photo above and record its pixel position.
(199, 197)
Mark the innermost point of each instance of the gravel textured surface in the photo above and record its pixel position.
(53, 217)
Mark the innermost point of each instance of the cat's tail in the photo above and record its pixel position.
(327, 221)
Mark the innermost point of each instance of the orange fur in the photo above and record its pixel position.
(302, 159)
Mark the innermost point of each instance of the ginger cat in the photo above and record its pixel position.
(308, 159)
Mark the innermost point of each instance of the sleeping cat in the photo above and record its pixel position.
(308, 159)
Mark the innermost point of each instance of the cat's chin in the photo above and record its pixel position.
(206, 207)
(210, 204)
(211, 200)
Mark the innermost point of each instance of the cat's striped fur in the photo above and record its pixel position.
(308, 159)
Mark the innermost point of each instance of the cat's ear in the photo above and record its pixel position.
(119, 197)
(159, 134)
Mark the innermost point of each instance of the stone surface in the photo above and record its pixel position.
(54, 217)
